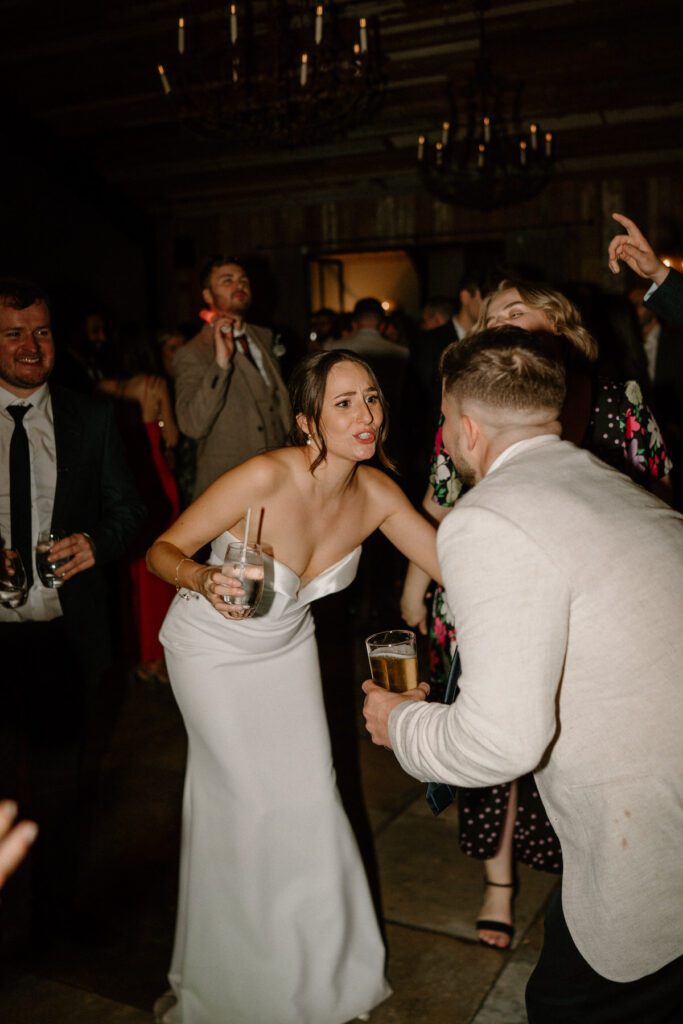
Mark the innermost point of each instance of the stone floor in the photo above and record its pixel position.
(428, 890)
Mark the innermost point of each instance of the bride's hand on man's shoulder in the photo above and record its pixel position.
(214, 586)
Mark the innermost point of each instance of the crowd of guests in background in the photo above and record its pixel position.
(190, 405)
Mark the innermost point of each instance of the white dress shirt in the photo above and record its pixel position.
(42, 603)
(255, 353)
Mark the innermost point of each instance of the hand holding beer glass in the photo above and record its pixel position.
(393, 659)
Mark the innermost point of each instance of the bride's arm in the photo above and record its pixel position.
(407, 530)
(221, 507)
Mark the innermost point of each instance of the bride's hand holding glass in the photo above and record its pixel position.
(215, 586)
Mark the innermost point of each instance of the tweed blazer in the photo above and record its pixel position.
(232, 413)
(566, 584)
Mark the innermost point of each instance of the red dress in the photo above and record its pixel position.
(151, 595)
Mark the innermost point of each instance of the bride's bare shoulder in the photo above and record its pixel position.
(262, 472)
(378, 484)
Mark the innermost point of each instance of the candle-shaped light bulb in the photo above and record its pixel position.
(318, 24)
(421, 147)
(233, 23)
(445, 130)
(522, 153)
(487, 129)
(439, 154)
(533, 129)
(356, 49)
(165, 84)
(481, 155)
(548, 143)
(303, 73)
(181, 36)
(363, 35)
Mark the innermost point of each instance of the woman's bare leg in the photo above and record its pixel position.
(497, 905)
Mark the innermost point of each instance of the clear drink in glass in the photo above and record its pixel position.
(247, 566)
(13, 582)
(46, 565)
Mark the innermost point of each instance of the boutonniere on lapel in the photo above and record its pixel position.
(278, 348)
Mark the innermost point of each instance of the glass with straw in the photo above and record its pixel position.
(244, 561)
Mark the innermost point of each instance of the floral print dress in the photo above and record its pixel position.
(622, 432)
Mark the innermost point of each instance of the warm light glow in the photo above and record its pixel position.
(165, 84)
(363, 35)
(666, 262)
(303, 74)
(386, 305)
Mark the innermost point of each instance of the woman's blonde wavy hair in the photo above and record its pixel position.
(562, 314)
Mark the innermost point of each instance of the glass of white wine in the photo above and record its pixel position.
(46, 565)
(245, 563)
(13, 582)
(393, 659)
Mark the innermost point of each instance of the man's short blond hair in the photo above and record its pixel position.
(506, 368)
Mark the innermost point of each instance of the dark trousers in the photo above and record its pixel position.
(44, 700)
(564, 989)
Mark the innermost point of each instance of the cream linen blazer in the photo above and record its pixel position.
(566, 584)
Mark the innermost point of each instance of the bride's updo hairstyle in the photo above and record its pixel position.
(307, 393)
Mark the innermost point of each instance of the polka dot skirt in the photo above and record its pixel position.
(482, 816)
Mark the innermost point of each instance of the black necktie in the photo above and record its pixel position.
(20, 489)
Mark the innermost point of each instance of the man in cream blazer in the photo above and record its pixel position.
(566, 584)
(230, 396)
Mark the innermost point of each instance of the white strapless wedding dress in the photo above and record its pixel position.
(275, 920)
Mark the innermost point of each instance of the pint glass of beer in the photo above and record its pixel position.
(393, 659)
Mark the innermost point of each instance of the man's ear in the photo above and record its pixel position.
(470, 430)
(207, 296)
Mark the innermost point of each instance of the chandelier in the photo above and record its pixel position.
(282, 72)
(482, 158)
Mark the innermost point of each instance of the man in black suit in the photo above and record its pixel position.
(422, 401)
(659, 309)
(62, 469)
(665, 294)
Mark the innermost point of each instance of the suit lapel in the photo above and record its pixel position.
(68, 427)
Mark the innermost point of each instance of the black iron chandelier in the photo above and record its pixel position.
(274, 72)
(482, 158)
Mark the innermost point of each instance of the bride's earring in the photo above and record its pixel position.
(309, 439)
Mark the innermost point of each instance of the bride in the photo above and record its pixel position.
(275, 920)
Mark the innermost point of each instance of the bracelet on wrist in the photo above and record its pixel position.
(178, 584)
